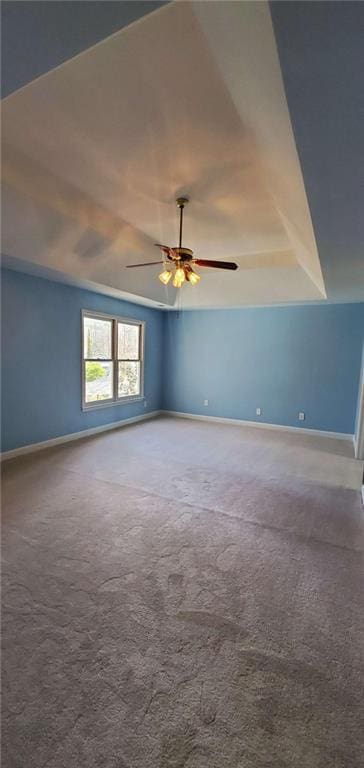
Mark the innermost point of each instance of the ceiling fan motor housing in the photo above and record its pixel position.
(183, 254)
(183, 258)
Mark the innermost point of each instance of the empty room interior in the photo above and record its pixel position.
(182, 384)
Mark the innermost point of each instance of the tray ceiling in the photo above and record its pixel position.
(188, 100)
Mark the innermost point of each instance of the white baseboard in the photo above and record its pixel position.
(33, 447)
(259, 425)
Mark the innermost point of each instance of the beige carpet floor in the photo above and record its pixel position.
(181, 594)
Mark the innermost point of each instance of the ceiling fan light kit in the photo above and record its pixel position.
(165, 276)
(191, 276)
(181, 259)
(179, 277)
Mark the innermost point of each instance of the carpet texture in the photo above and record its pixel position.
(184, 595)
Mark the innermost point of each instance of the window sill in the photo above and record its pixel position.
(112, 403)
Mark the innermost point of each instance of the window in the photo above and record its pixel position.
(112, 360)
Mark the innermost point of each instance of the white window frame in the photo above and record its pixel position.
(115, 400)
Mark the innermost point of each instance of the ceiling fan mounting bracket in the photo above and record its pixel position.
(182, 201)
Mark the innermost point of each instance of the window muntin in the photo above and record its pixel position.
(112, 364)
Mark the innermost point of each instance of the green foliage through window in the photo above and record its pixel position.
(94, 371)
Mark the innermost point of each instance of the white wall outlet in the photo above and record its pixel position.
(145, 403)
(301, 416)
(258, 411)
(205, 402)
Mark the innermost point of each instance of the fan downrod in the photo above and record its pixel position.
(181, 202)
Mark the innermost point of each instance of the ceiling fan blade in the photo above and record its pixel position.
(168, 251)
(165, 248)
(215, 264)
(146, 264)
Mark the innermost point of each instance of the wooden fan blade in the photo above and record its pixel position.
(164, 248)
(147, 264)
(170, 252)
(215, 264)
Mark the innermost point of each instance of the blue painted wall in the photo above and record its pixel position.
(283, 360)
(41, 369)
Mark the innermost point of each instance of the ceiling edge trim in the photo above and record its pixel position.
(52, 275)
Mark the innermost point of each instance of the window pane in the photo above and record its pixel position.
(129, 379)
(98, 381)
(128, 341)
(97, 335)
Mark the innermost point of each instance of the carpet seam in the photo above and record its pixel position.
(278, 529)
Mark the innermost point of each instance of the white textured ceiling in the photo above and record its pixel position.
(188, 101)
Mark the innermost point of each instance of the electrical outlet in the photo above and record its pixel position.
(301, 416)
(258, 411)
(205, 402)
(145, 403)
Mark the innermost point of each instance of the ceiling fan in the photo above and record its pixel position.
(182, 259)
